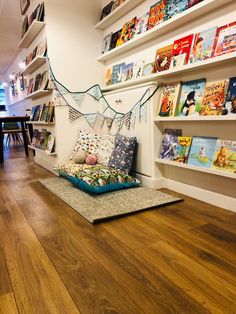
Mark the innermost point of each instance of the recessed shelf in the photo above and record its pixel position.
(41, 123)
(38, 94)
(230, 117)
(122, 9)
(35, 64)
(34, 29)
(165, 27)
(188, 68)
(42, 151)
(195, 168)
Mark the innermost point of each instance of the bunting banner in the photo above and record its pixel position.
(95, 92)
(74, 114)
(91, 119)
(78, 98)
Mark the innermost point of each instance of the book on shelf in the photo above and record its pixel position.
(163, 59)
(42, 49)
(37, 113)
(127, 32)
(174, 7)
(115, 5)
(181, 150)
(35, 137)
(127, 73)
(138, 68)
(168, 99)
(225, 40)
(148, 68)
(203, 45)
(202, 151)
(50, 115)
(50, 144)
(108, 76)
(191, 3)
(213, 100)
(230, 99)
(44, 81)
(169, 142)
(106, 43)
(106, 10)
(25, 26)
(191, 97)
(44, 112)
(37, 83)
(141, 24)
(183, 46)
(156, 13)
(225, 156)
(30, 87)
(117, 73)
(178, 61)
(114, 38)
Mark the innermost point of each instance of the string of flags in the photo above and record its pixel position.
(107, 115)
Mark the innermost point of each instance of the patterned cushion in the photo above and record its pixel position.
(123, 155)
(96, 178)
(105, 149)
(86, 141)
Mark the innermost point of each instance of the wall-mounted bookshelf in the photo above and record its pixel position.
(173, 73)
(42, 151)
(230, 117)
(35, 64)
(34, 29)
(195, 168)
(164, 28)
(125, 7)
(41, 123)
(38, 94)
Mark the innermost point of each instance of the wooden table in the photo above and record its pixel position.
(21, 120)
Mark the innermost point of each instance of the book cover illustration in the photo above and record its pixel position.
(202, 151)
(156, 13)
(168, 99)
(225, 40)
(213, 100)
(108, 76)
(106, 10)
(50, 144)
(203, 45)
(127, 32)
(225, 156)
(169, 143)
(117, 73)
(163, 59)
(191, 3)
(141, 24)
(106, 43)
(35, 136)
(182, 148)
(230, 103)
(127, 72)
(178, 61)
(148, 68)
(174, 7)
(191, 97)
(183, 45)
(114, 38)
(138, 68)
(115, 5)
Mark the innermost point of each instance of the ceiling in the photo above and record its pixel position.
(10, 32)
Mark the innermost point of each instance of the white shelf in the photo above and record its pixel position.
(195, 168)
(38, 94)
(180, 19)
(34, 65)
(230, 117)
(34, 29)
(193, 67)
(41, 123)
(42, 151)
(125, 7)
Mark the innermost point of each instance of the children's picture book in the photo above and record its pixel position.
(115, 5)
(174, 7)
(138, 68)
(30, 87)
(117, 73)
(156, 13)
(225, 40)
(108, 76)
(44, 113)
(183, 45)
(181, 151)
(191, 97)
(127, 32)
(169, 143)
(148, 68)
(50, 144)
(35, 136)
(178, 61)
(214, 98)
(114, 38)
(203, 45)
(106, 10)
(202, 151)
(37, 81)
(50, 115)
(163, 59)
(32, 114)
(37, 112)
(225, 156)
(141, 24)
(191, 3)
(106, 43)
(168, 99)
(127, 72)
(230, 103)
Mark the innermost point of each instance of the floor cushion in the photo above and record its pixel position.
(96, 178)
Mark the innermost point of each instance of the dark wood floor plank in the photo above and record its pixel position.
(5, 283)
(8, 304)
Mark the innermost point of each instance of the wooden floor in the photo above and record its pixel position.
(178, 258)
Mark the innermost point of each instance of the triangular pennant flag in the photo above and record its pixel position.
(91, 119)
(95, 92)
(126, 120)
(78, 97)
(110, 113)
(103, 104)
(62, 90)
(100, 120)
(73, 114)
(109, 122)
(143, 113)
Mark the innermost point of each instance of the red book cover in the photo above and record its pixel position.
(225, 40)
(183, 45)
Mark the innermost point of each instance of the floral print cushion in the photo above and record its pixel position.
(105, 148)
(123, 155)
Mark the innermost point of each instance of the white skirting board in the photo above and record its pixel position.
(210, 197)
(153, 183)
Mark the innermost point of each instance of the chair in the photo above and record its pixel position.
(13, 131)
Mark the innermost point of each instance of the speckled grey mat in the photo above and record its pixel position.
(105, 206)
